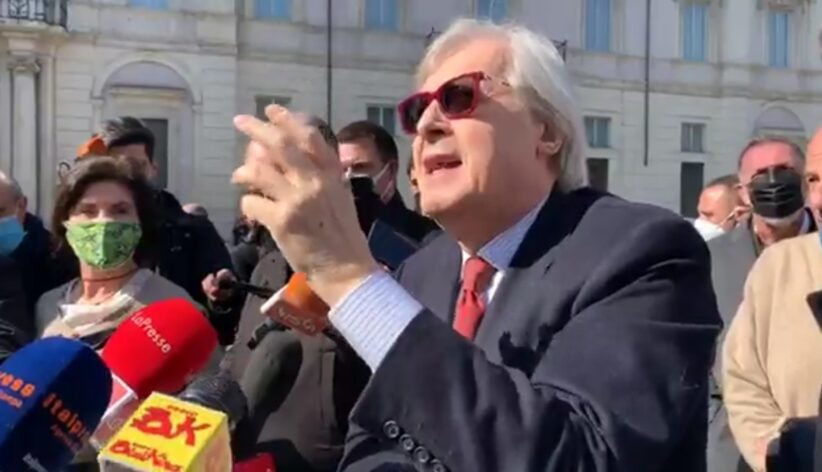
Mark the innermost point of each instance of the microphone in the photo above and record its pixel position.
(221, 393)
(260, 463)
(166, 433)
(297, 307)
(159, 348)
(52, 395)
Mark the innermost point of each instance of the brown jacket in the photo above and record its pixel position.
(772, 355)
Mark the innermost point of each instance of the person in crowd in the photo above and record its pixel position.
(813, 176)
(529, 336)
(16, 322)
(772, 355)
(105, 214)
(412, 182)
(25, 240)
(190, 252)
(252, 246)
(770, 175)
(196, 209)
(720, 207)
(302, 415)
(367, 149)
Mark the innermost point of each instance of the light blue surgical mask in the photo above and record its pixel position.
(11, 234)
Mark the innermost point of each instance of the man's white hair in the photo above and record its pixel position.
(16, 190)
(537, 73)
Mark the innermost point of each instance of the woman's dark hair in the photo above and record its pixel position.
(92, 170)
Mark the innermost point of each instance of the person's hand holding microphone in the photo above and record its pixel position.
(296, 190)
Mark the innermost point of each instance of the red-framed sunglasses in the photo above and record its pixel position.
(458, 98)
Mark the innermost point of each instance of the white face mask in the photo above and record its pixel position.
(707, 230)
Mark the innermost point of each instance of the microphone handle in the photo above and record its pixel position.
(267, 380)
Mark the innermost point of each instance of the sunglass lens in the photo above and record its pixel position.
(457, 98)
(412, 110)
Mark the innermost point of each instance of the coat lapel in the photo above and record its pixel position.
(522, 283)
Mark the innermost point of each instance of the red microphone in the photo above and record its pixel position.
(158, 349)
(259, 463)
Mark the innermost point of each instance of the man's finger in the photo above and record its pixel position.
(280, 145)
(262, 179)
(267, 212)
(307, 137)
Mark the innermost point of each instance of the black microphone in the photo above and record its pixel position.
(218, 392)
(268, 377)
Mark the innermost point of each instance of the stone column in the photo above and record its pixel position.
(24, 153)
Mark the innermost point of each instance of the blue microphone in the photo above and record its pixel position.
(52, 395)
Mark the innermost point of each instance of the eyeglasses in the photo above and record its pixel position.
(457, 97)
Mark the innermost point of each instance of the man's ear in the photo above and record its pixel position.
(550, 142)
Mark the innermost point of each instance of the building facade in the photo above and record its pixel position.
(718, 73)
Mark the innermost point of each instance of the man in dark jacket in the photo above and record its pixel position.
(368, 150)
(190, 252)
(28, 244)
(16, 324)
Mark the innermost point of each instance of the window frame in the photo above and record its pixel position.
(396, 28)
(595, 120)
(278, 99)
(506, 10)
(688, 209)
(686, 9)
(692, 125)
(382, 108)
(142, 4)
(254, 11)
(770, 14)
(592, 45)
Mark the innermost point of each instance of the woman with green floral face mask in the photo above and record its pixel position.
(104, 213)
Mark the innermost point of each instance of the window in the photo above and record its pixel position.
(694, 31)
(598, 25)
(159, 128)
(778, 34)
(597, 130)
(693, 137)
(382, 115)
(598, 173)
(151, 4)
(263, 101)
(273, 9)
(691, 175)
(381, 14)
(494, 10)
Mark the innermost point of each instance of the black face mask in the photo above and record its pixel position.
(776, 192)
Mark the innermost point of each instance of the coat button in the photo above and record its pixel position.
(422, 455)
(407, 443)
(437, 466)
(391, 429)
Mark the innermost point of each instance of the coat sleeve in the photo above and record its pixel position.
(617, 389)
(753, 415)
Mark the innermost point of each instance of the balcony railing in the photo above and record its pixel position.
(51, 12)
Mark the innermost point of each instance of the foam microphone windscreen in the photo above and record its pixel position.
(169, 434)
(218, 392)
(298, 307)
(52, 395)
(161, 347)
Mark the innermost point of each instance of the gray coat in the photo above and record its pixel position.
(732, 256)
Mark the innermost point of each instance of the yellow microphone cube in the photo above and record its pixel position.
(166, 434)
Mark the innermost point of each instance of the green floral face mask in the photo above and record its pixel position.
(104, 244)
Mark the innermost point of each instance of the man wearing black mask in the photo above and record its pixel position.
(770, 175)
(368, 150)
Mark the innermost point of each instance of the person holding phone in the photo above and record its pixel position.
(300, 388)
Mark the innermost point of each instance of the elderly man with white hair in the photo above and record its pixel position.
(551, 328)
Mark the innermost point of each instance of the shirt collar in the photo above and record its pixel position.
(500, 251)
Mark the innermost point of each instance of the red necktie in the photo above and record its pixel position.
(476, 276)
